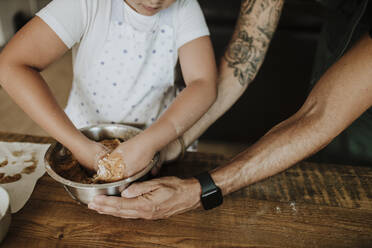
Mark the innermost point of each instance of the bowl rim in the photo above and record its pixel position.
(3, 214)
(67, 182)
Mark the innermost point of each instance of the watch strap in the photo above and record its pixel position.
(206, 182)
(211, 196)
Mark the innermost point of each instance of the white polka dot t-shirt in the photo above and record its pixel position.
(123, 61)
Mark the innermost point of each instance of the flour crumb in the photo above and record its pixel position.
(278, 210)
(293, 206)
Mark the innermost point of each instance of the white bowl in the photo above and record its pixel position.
(5, 215)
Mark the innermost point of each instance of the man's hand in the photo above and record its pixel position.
(156, 199)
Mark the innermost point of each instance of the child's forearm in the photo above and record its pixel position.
(31, 50)
(28, 89)
(189, 106)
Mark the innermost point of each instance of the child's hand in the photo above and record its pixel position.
(126, 160)
(89, 154)
(172, 151)
(168, 154)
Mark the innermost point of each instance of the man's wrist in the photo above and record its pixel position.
(195, 191)
(211, 194)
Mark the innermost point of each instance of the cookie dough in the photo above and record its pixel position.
(67, 166)
(110, 170)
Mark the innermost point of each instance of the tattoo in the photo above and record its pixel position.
(247, 6)
(255, 28)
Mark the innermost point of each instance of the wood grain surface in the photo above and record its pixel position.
(309, 205)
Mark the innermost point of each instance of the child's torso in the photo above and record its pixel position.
(131, 78)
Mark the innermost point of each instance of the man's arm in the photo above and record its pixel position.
(341, 95)
(243, 58)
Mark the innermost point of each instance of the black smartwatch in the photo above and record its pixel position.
(211, 196)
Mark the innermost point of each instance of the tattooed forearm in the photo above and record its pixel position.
(255, 28)
(247, 6)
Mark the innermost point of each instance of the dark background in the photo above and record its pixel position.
(282, 83)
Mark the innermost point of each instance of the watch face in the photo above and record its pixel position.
(212, 199)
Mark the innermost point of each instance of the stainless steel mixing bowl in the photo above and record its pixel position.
(5, 215)
(84, 193)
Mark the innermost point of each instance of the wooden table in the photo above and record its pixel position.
(309, 205)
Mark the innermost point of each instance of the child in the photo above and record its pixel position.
(124, 55)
